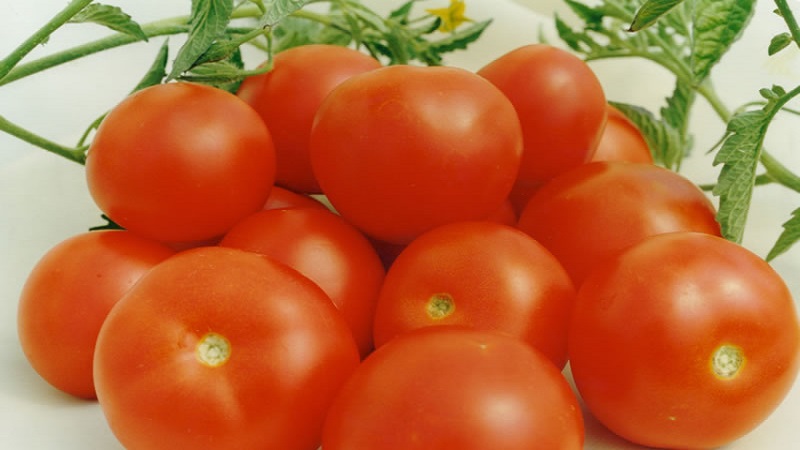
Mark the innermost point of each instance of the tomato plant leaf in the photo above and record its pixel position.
(112, 17)
(276, 10)
(789, 236)
(662, 138)
(461, 37)
(208, 22)
(717, 24)
(158, 69)
(650, 12)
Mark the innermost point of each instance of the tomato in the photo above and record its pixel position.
(325, 248)
(180, 162)
(685, 340)
(561, 106)
(402, 149)
(444, 388)
(221, 348)
(288, 96)
(596, 210)
(481, 274)
(67, 296)
(282, 198)
(622, 140)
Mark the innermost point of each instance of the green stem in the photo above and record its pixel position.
(791, 21)
(41, 35)
(77, 155)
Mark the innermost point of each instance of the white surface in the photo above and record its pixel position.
(43, 198)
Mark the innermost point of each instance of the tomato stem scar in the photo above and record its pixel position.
(440, 306)
(727, 361)
(213, 350)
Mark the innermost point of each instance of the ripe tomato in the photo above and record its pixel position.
(685, 340)
(402, 149)
(325, 248)
(67, 296)
(444, 388)
(622, 140)
(594, 211)
(288, 96)
(180, 162)
(560, 103)
(218, 348)
(479, 274)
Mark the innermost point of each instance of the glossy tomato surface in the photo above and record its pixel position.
(219, 348)
(444, 388)
(561, 106)
(325, 248)
(596, 210)
(402, 149)
(68, 295)
(480, 274)
(180, 162)
(288, 96)
(685, 340)
(622, 140)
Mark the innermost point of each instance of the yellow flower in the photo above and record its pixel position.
(452, 16)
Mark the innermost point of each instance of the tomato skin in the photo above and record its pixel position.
(443, 388)
(68, 295)
(288, 96)
(180, 162)
(290, 352)
(325, 248)
(282, 198)
(561, 106)
(647, 324)
(598, 209)
(402, 149)
(622, 141)
(486, 275)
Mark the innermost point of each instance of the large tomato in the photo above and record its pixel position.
(561, 106)
(480, 274)
(402, 149)
(685, 340)
(325, 248)
(622, 140)
(219, 348)
(68, 295)
(288, 96)
(596, 210)
(444, 388)
(181, 162)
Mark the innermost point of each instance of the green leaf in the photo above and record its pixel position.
(779, 42)
(276, 10)
(663, 139)
(461, 37)
(111, 17)
(208, 22)
(591, 16)
(650, 12)
(739, 158)
(789, 236)
(157, 71)
(717, 24)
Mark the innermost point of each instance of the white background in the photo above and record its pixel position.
(43, 198)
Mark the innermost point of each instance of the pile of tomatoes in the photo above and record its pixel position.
(361, 256)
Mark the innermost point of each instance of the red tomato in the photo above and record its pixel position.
(402, 149)
(180, 162)
(596, 210)
(622, 141)
(288, 96)
(685, 340)
(560, 103)
(282, 198)
(445, 388)
(322, 246)
(67, 296)
(218, 348)
(479, 274)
